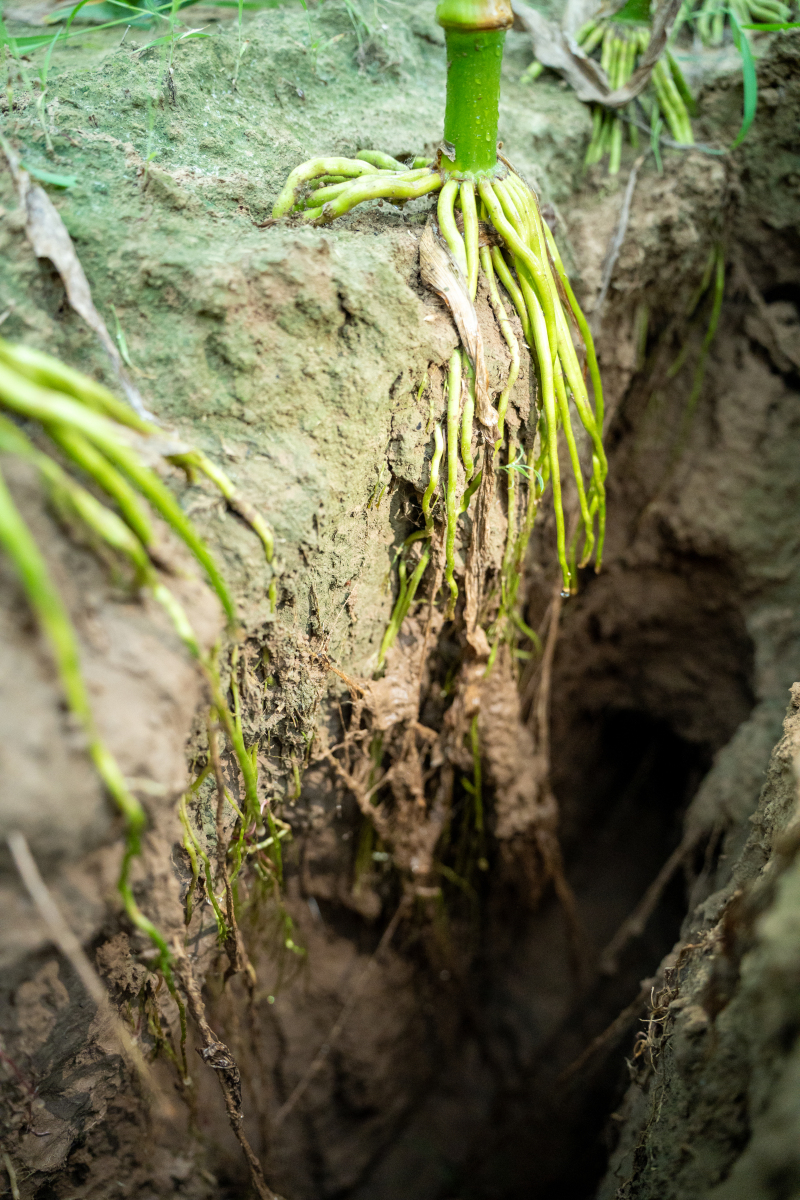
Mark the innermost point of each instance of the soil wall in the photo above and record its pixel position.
(467, 1065)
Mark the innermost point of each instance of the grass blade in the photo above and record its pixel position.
(749, 78)
(61, 181)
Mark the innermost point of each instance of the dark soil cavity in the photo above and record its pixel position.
(642, 707)
(534, 1009)
(467, 1068)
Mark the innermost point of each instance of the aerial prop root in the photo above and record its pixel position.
(45, 404)
(491, 226)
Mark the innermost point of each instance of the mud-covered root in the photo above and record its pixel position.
(709, 16)
(501, 316)
(618, 60)
(527, 264)
(90, 427)
(216, 1055)
(397, 188)
(409, 586)
(534, 279)
(97, 433)
(317, 168)
(192, 461)
(451, 496)
(672, 97)
(20, 546)
(405, 598)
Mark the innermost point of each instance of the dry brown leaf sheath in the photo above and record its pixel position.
(442, 276)
(557, 48)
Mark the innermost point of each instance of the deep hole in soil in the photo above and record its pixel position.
(784, 291)
(653, 675)
(547, 1139)
(642, 702)
(641, 706)
(498, 1124)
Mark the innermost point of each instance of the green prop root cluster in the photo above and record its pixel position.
(527, 265)
(66, 425)
(489, 220)
(709, 17)
(618, 45)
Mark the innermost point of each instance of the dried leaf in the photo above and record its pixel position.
(48, 235)
(442, 275)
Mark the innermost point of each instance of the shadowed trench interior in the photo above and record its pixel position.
(512, 1110)
(506, 1095)
(655, 670)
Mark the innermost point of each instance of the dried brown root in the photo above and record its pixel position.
(69, 945)
(238, 960)
(409, 801)
(216, 1055)
(633, 926)
(610, 1035)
